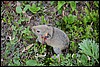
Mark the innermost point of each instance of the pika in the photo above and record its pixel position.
(52, 36)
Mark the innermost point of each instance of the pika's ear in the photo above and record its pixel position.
(50, 30)
(33, 29)
(49, 25)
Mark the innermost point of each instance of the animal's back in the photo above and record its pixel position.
(59, 39)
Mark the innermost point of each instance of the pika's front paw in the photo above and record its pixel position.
(37, 40)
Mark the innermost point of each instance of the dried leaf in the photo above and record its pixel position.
(27, 48)
(39, 55)
(18, 3)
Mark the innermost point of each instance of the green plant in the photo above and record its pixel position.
(43, 20)
(96, 3)
(60, 4)
(16, 62)
(72, 46)
(34, 9)
(91, 49)
(18, 9)
(26, 33)
(69, 19)
(52, 2)
(64, 61)
(31, 63)
(88, 55)
(73, 5)
(26, 7)
(80, 21)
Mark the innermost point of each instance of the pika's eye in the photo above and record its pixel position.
(38, 31)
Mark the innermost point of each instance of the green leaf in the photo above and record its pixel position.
(4, 20)
(29, 37)
(13, 27)
(60, 4)
(65, 19)
(84, 59)
(60, 11)
(22, 19)
(52, 2)
(90, 48)
(85, 20)
(73, 5)
(43, 19)
(87, 3)
(19, 21)
(58, 23)
(95, 49)
(16, 63)
(96, 3)
(18, 9)
(86, 10)
(85, 47)
(26, 31)
(31, 63)
(71, 18)
(34, 9)
(26, 7)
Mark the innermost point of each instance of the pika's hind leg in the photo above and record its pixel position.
(57, 50)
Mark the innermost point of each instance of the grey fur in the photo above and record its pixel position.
(58, 39)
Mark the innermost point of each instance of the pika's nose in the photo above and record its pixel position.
(43, 40)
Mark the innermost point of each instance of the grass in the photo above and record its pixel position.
(78, 19)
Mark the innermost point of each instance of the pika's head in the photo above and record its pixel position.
(43, 31)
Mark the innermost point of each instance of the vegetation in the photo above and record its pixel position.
(78, 19)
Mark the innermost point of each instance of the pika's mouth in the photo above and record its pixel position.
(44, 38)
